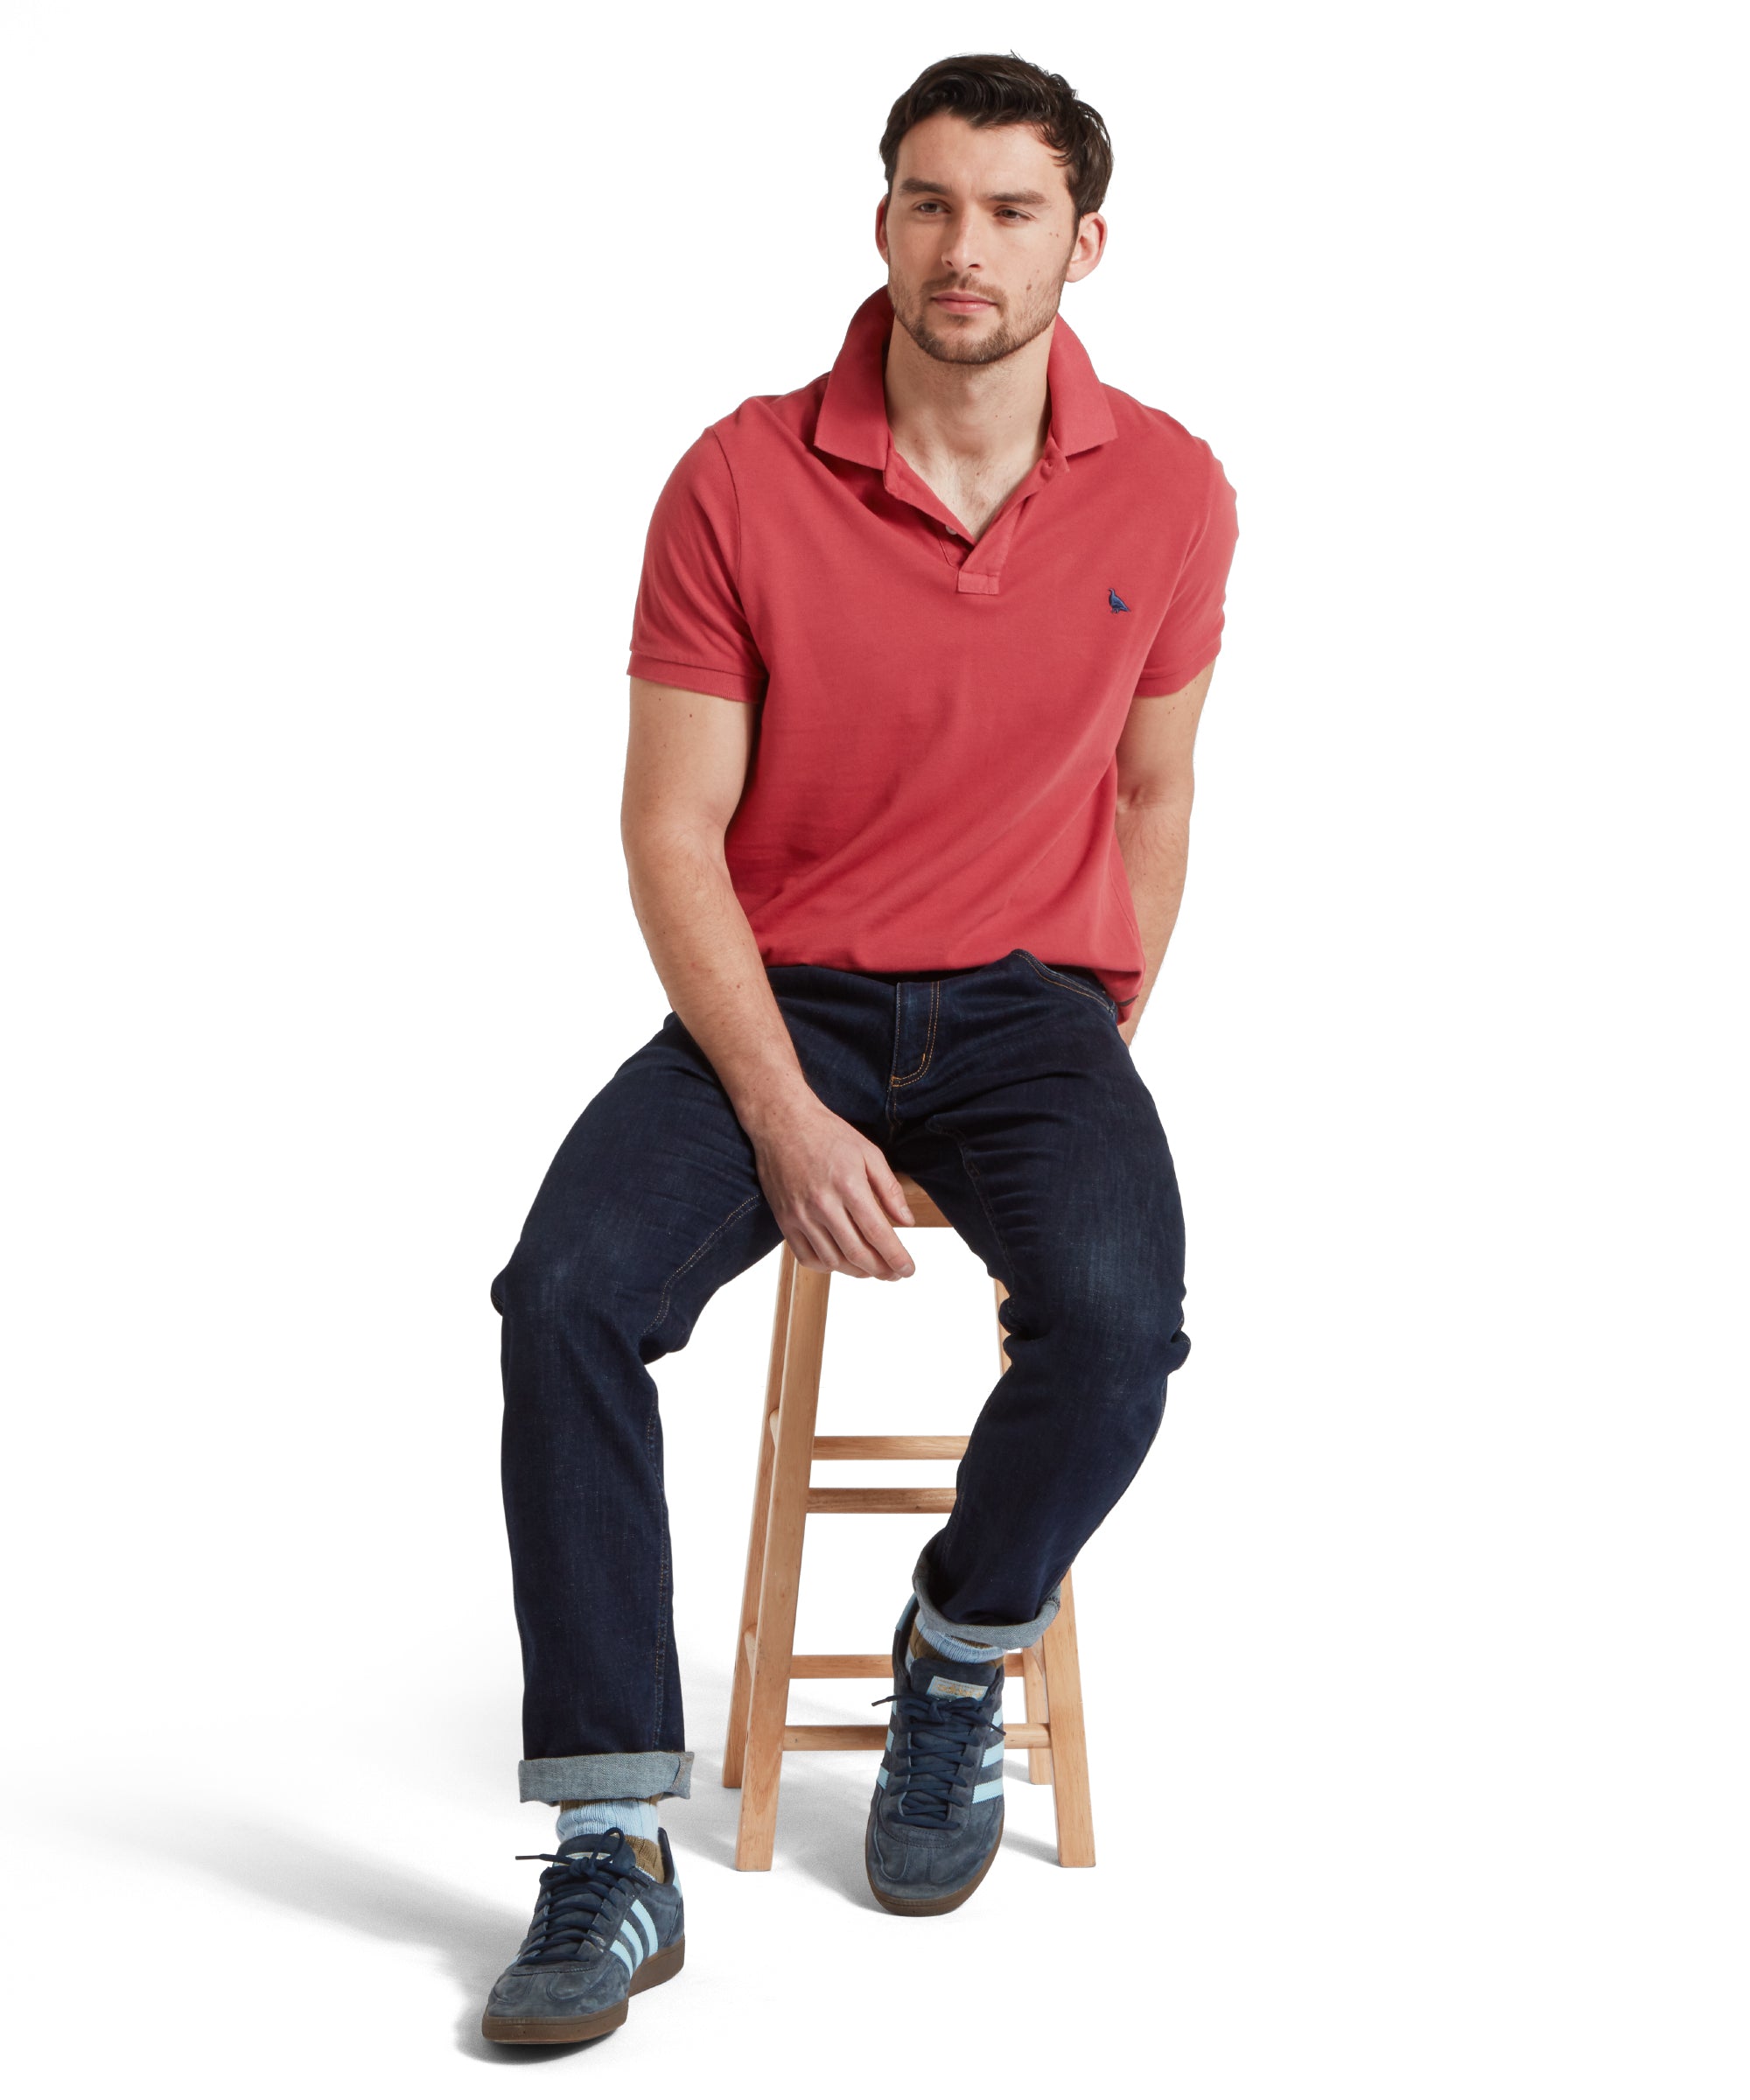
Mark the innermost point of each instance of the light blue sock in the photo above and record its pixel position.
(590, 1818)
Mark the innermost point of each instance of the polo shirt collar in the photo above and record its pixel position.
(853, 413)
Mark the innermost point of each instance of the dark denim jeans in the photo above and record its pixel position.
(1008, 1093)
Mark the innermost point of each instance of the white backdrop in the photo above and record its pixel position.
(346, 347)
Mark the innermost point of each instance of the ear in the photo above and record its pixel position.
(881, 230)
(1090, 245)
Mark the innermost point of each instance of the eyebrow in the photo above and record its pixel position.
(914, 185)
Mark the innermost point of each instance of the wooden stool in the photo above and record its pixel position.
(783, 1498)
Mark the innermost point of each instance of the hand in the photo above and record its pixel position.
(834, 1195)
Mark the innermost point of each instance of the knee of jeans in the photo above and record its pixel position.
(547, 1285)
(1120, 1376)
(1125, 1346)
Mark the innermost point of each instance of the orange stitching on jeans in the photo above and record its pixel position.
(1069, 984)
(667, 1288)
(893, 1079)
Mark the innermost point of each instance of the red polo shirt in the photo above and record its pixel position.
(935, 775)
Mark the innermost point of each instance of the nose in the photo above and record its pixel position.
(959, 246)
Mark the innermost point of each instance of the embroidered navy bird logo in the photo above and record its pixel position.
(1115, 601)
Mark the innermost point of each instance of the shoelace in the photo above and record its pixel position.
(925, 1779)
(573, 1890)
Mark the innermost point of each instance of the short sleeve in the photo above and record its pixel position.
(1190, 632)
(688, 626)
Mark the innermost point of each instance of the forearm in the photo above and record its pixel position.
(1154, 837)
(710, 964)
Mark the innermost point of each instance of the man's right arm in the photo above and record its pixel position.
(835, 1197)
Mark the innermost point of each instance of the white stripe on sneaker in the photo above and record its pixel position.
(987, 1789)
(644, 1923)
(616, 1948)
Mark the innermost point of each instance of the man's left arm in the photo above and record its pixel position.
(1153, 819)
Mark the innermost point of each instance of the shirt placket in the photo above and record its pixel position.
(977, 565)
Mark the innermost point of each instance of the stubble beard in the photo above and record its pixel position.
(1010, 334)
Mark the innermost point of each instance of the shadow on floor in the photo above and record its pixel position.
(824, 1804)
(366, 1892)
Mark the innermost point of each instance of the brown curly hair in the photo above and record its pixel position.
(986, 88)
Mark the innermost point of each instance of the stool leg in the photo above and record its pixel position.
(781, 1577)
(1068, 1740)
(1032, 1662)
(1038, 1709)
(735, 1747)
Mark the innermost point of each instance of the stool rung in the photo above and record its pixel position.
(1016, 1735)
(889, 1447)
(872, 1502)
(866, 1666)
(879, 1447)
(856, 1666)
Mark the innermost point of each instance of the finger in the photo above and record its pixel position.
(812, 1243)
(810, 1252)
(886, 1246)
(854, 1252)
(888, 1249)
(886, 1183)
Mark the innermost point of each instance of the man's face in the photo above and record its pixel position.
(980, 236)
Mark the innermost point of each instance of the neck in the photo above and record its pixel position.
(968, 414)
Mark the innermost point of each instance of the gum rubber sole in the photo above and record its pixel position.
(932, 1907)
(665, 1963)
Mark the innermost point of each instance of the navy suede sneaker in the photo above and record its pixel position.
(936, 1819)
(603, 1931)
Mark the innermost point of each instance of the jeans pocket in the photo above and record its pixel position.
(1073, 979)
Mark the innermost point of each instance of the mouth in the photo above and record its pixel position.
(957, 302)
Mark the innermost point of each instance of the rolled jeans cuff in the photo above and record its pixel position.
(613, 1775)
(981, 1636)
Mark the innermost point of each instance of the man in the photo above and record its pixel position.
(917, 661)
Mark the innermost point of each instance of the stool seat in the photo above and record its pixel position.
(784, 1498)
